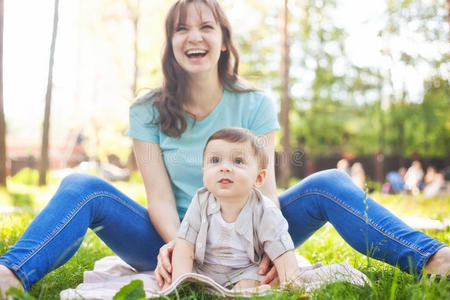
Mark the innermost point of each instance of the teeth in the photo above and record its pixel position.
(194, 52)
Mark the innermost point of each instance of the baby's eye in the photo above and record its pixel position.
(214, 160)
(239, 161)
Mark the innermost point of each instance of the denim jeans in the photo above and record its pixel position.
(84, 201)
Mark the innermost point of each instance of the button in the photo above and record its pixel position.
(204, 220)
(199, 244)
(213, 205)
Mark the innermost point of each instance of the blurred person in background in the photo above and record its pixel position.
(434, 183)
(343, 165)
(414, 177)
(358, 175)
(395, 182)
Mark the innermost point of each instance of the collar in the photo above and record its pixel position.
(213, 204)
(244, 222)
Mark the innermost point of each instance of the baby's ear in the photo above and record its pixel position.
(260, 178)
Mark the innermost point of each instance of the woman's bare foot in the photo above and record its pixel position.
(7, 280)
(439, 263)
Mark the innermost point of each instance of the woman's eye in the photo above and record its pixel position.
(207, 27)
(180, 28)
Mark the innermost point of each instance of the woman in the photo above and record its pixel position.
(201, 94)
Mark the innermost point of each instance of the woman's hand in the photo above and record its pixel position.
(266, 267)
(163, 271)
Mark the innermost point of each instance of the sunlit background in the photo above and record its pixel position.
(358, 69)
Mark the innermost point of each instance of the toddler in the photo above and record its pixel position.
(230, 224)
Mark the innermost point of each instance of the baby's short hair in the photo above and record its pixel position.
(242, 135)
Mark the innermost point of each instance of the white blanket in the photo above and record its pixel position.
(111, 273)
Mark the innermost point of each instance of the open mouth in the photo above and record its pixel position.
(225, 181)
(196, 53)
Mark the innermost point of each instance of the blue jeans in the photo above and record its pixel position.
(84, 201)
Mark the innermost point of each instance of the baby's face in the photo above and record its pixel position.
(230, 170)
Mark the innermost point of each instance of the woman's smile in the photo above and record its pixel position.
(196, 56)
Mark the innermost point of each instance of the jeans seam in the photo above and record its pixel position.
(356, 214)
(70, 217)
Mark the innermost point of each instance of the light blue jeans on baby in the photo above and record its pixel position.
(84, 201)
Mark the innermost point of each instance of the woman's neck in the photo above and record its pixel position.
(204, 96)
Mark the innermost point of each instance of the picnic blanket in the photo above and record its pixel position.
(111, 273)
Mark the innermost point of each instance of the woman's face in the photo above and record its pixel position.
(197, 43)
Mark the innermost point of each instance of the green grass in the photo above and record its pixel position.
(324, 246)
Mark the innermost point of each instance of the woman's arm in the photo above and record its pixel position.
(269, 188)
(160, 199)
(160, 203)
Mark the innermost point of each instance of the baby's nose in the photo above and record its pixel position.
(225, 167)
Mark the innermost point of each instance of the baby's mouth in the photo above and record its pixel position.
(196, 53)
(225, 180)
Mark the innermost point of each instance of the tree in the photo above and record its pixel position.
(448, 14)
(329, 92)
(43, 166)
(416, 123)
(134, 12)
(2, 114)
(285, 165)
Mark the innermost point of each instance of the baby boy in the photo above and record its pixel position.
(230, 224)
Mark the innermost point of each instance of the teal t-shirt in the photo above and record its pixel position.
(183, 156)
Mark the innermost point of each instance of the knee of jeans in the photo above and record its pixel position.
(335, 174)
(82, 182)
(331, 175)
(327, 180)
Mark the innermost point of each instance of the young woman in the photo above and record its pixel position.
(201, 94)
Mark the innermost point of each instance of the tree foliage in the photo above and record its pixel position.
(341, 107)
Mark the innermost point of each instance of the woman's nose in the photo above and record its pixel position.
(195, 35)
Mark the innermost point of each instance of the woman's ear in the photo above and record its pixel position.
(260, 178)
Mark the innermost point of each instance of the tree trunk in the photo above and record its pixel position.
(136, 48)
(381, 134)
(448, 15)
(134, 9)
(43, 166)
(2, 114)
(285, 161)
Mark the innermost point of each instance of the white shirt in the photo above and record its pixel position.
(223, 244)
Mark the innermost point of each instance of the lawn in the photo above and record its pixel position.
(324, 246)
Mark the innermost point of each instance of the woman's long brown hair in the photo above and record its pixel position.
(173, 94)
